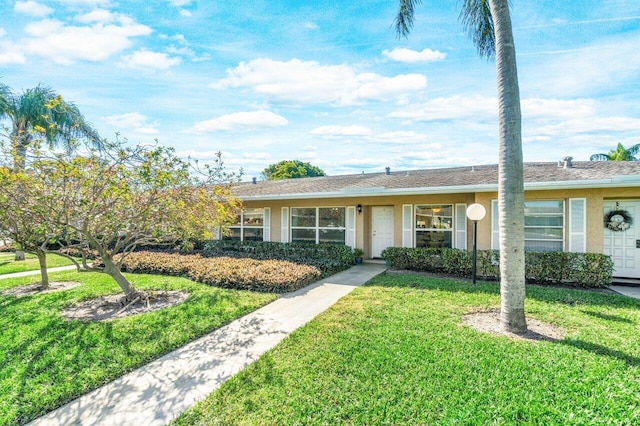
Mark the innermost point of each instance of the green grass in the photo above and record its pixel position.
(395, 352)
(9, 266)
(47, 360)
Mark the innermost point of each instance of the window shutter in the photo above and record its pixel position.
(407, 225)
(350, 238)
(266, 225)
(578, 225)
(495, 226)
(284, 225)
(461, 227)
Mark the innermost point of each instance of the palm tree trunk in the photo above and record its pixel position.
(20, 155)
(511, 181)
(42, 258)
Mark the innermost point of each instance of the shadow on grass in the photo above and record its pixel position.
(543, 293)
(630, 360)
(607, 317)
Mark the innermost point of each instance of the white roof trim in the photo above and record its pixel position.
(617, 181)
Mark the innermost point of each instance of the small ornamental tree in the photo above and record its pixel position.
(113, 199)
(24, 215)
(291, 169)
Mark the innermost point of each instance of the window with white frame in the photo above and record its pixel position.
(543, 225)
(318, 224)
(434, 225)
(248, 226)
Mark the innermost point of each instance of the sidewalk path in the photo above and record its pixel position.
(626, 290)
(36, 272)
(163, 389)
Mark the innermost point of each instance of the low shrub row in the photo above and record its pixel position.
(587, 270)
(328, 258)
(242, 274)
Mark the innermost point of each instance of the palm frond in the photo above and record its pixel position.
(405, 18)
(5, 98)
(599, 157)
(477, 21)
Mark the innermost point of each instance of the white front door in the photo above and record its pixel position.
(381, 229)
(624, 246)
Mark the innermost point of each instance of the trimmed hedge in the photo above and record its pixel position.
(242, 274)
(588, 270)
(328, 258)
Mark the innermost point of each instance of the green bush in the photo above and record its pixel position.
(276, 276)
(328, 258)
(580, 269)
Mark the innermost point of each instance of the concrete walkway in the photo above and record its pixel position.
(163, 389)
(36, 272)
(626, 290)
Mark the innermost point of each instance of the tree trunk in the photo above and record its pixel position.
(20, 159)
(111, 269)
(511, 180)
(42, 258)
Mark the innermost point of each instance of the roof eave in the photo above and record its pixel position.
(622, 181)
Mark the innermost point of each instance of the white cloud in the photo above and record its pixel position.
(311, 25)
(146, 59)
(67, 44)
(408, 55)
(402, 136)
(134, 121)
(341, 131)
(87, 3)
(97, 15)
(308, 82)
(453, 108)
(241, 121)
(185, 13)
(10, 53)
(606, 65)
(179, 3)
(32, 8)
(536, 108)
(8, 57)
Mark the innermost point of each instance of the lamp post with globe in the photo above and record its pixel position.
(475, 212)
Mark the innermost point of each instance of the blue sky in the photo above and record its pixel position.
(328, 81)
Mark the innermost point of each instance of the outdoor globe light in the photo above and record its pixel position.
(475, 212)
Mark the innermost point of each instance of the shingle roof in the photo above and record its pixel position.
(446, 180)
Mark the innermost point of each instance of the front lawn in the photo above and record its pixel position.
(396, 352)
(9, 266)
(47, 360)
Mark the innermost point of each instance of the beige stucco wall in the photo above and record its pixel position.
(594, 199)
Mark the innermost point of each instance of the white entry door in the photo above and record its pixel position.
(624, 246)
(381, 229)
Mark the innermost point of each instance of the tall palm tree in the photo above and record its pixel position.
(488, 23)
(41, 112)
(619, 154)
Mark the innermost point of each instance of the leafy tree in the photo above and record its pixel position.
(291, 169)
(488, 23)
(25, 216)
(619, 154)
(41, 112)
(113, 199)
